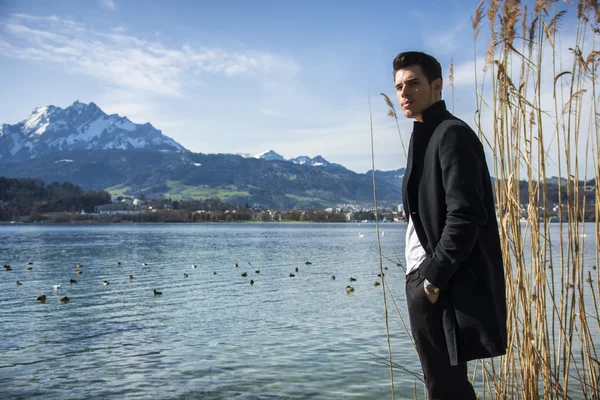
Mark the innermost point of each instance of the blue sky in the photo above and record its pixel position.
(236, 76)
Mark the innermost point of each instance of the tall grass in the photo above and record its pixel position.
(552, 324)
(535, 110)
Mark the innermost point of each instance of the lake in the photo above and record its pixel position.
(211, 335)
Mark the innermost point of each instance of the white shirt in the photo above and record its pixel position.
(415, 253)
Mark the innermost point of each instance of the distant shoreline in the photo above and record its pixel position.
(193, 222)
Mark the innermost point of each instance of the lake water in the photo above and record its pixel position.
(209, 336)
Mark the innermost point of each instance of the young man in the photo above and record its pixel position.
(455, 275)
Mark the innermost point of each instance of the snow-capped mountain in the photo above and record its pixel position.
(78, 127)
(318, 161)
(271, 155)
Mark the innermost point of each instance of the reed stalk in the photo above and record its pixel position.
(383, 283)
(552, 289)
(553, 318)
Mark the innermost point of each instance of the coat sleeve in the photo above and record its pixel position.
(462, 163)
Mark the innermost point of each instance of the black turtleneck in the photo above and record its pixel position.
(432, 116)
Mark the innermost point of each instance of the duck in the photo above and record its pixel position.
(257, 271)
(106, 283)
(71, 281)
(249, 263)
(292, 275)
(308, 263)
(42, 298)
(376, 283)
(349, 289)
(380, 274)
(214, 272)
(333, 277)
(144, 264)
(19, 283)
(244, 274)
(29, 263)
(56, 287)
(64, 299)
(79, 272)
(7, 267)
(296, 269)
(385, 268)
(352, 279)
(118, 262)
(252, 281)
(194, 266)
(79, 265)
(130, 276)
(156, 292)
(236, 265)
(185, 275)
(29, 268)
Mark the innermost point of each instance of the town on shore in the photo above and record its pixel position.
(29, 200)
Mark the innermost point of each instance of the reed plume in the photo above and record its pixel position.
(553, 286)
(392, 113)
(551, 352)
(451, 80)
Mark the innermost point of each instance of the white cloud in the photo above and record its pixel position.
(447, 41)
(464, 73)
(270, 112)
(110, 4)
(128, 62)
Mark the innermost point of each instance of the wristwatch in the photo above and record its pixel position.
(431, 289)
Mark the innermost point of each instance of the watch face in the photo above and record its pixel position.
(432, 289)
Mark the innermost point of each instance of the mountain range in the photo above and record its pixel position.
(83, 145)
(78, 127)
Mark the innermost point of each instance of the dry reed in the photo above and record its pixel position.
(552, 290)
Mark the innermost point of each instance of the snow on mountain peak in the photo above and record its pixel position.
(79, 126)
(269, 155)
(38, 121)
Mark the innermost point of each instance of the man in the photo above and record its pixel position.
(455, 274)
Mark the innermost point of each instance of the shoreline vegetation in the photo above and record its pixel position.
(553, 291)
(31, 200)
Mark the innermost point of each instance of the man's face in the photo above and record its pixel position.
(415, 93)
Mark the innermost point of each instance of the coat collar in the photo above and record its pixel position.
(432, 117)
(422, 132)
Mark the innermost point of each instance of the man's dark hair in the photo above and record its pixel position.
(430, 66)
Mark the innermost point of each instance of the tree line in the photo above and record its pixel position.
(35, 201)
(27, 197)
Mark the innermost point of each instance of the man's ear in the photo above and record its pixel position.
(438, 84)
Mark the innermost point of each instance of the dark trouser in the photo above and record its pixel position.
(443, 380)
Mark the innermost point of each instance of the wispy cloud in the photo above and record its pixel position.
(447, 41)
(110, 4)
(464, 73)
(128, 62)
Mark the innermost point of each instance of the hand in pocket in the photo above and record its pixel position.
(433, 298)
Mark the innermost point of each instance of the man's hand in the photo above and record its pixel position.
(432, 297)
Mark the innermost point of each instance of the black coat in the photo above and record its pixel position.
(447, 192)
